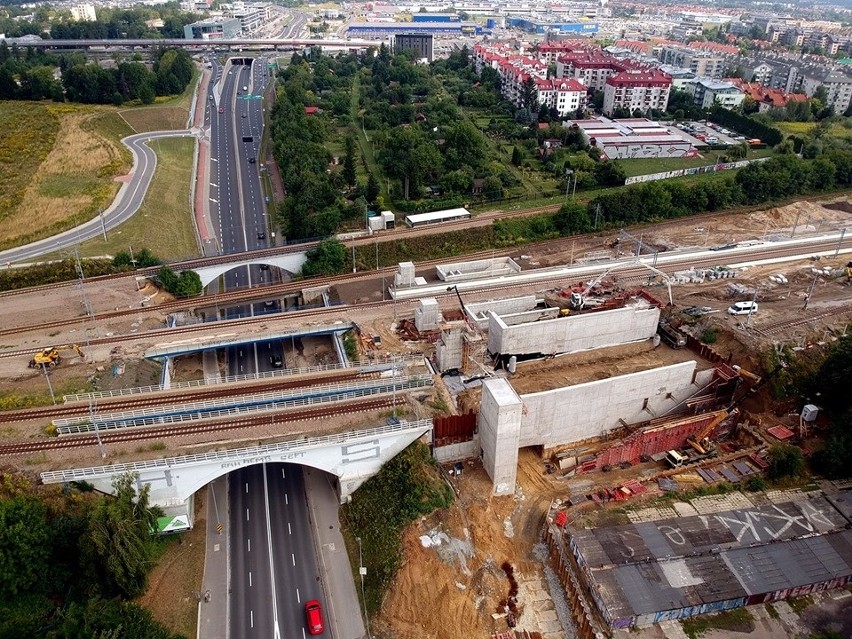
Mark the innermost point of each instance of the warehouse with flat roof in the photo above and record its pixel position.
(384, 29)
(651, 571)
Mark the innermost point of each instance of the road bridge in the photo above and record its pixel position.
(226, 340)
(351, 457)
(213, 45)
(290, 262)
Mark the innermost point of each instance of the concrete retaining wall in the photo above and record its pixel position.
(478, 269)
(478, 311)
(585, 411)
(457, 452)
(573, 333)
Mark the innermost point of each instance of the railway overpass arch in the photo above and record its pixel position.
(351, 457)
(290, 262)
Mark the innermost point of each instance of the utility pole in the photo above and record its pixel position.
(839, 241)
(49, 385)
(810, 290)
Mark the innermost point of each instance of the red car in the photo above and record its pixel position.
(313, 614)
(221, 109)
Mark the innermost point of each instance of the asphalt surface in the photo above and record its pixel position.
(273, 568)
(127, 202)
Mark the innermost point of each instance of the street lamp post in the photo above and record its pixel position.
(568, 174)
(363, 572)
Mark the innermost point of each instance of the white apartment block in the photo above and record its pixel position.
(636, 89)
(837, 84)
(83, 13)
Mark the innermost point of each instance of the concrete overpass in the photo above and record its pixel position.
(236, 43)
(290, 262)
(352, 457)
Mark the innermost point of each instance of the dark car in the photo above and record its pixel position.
(277, 362)
(252, 160)
(261, 235)
(243, 115)
(221, 109)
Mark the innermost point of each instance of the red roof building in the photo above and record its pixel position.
(767, 98)
(637, 89)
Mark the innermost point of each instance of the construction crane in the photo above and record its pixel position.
(51, 356)
(577, 299)
(701, 443)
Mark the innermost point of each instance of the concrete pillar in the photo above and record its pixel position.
(499, 424)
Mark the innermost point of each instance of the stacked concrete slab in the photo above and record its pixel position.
(516, 336)
(574, 413)
(478, 311)
(404, 275)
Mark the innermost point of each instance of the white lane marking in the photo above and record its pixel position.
(288, 528)
(298, 596)
(250, 584)
(248, 540)
(251, 618)
(246, 488)
(214, 184)
(303, 634)
(247, 515)
(293, 557)
(212, 199)
(286, 499)
(271, 552)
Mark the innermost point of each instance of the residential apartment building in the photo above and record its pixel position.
(701, 63)
(708, 92)
(550, 51)
(767, 98)
(420, 43)
(757, 71)
(83, 13)
(590, 68)
(635, 89)
(565, 95)
(837, 84)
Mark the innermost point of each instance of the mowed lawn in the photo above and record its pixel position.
(164, 223)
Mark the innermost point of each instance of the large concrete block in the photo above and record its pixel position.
(590, 410)
(573, 333)
(499, 425)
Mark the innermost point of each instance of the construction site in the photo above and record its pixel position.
(575, 394)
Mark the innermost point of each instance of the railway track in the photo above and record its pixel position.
(685, 262)
(127, 404)
(194, 428)
(779, 327)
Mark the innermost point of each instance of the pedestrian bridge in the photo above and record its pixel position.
(290, 262)
(352, 457)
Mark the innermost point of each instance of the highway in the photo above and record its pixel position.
(273, 564)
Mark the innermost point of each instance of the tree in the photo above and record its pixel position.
(328, 258)
(572, 218)
(529, 95)
(517, 158)
(492, 188)
(373, 189)
(349, 161)
(120, 535)
(25, 544)
(785, 460)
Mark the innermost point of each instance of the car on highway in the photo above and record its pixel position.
(313, 615)
(277, 362)
(221, 109)
(261, 235)
(243, 115)
(252, 160)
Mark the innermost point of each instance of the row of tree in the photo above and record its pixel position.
(779, 177)
(71, 561)
(30, 76)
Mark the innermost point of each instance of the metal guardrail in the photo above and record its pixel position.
(207, 407)
(284, 372)
(77, 474)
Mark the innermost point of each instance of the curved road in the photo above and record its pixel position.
(126, 203)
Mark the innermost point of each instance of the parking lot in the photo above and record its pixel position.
(705, 133)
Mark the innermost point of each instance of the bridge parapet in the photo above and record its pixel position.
(353, 457)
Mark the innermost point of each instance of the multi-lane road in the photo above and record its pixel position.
(273, 569)
(273, 563)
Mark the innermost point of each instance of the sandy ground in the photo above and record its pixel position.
(463, 576)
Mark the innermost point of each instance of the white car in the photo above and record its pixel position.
(742, 308)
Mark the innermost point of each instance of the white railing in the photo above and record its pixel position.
(233, 401)
(77, 474)
(195, 383)
(237, 411)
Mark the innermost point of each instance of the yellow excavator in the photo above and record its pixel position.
(51, 356)
(701, 443)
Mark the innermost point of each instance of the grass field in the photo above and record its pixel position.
(795, 128)
(652, 165)
(164, 223)
(56, 161)
(167, 114)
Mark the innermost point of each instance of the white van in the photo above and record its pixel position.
(742, 308)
